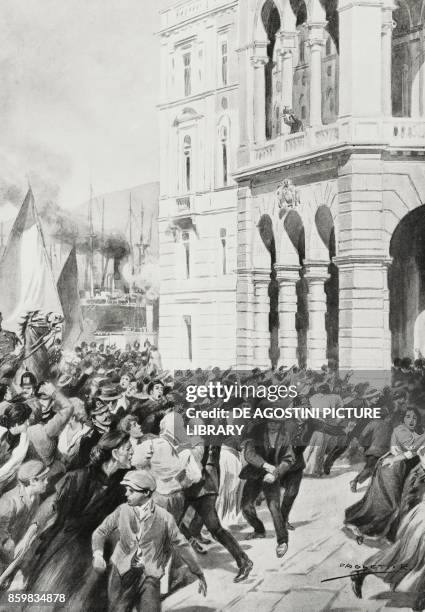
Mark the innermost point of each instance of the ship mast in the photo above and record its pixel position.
(91, 237)
(130, 214)
(103, 243)
(140, 243)
(1, 238)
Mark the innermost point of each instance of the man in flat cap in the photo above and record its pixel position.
(18, 507)
(147, 536)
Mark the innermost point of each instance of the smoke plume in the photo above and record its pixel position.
(68, 227)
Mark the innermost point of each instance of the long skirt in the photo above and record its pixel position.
(230, 491)
(402, 565)
(314, 454)
(376, 514)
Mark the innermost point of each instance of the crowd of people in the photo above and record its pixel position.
(102, 491)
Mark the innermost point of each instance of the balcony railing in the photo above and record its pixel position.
(183, 204)
(391, 132)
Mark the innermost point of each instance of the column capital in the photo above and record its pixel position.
(287, 273)
(315, 42)
(316, 270)
(316, 30)
(285, 52)
(261, 276)
(351, 261)
(388, 27)
(246, 272)
(345, 5)
(259, 60)
(287, 40)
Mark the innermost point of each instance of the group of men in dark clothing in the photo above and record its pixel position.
(99, 449)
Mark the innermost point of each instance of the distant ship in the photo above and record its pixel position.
(114, 310)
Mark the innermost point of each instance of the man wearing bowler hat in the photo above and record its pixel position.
(111, 394)
(147, 534)
(269, 456)
(100, 423)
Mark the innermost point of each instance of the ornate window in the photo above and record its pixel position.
(187, 74)
(187, 159)
(271, 22)
(188, 324)
(224, 63)
(223, 242)
(186, 252)
(224, 155)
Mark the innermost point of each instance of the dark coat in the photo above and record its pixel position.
(87, 442)
(210, 482)
(376, 438)
(300, 435)
(258, 452)
(62, 562)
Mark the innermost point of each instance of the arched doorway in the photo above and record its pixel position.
(406, 280)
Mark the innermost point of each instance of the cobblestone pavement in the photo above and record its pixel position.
(317, 547)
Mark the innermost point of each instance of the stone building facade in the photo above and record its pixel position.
(323, 225)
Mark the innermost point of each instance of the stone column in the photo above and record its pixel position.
(316, 43)
(287, 277)
(316, 273)
(286, 51)
(360, 65)
(244, 282)
(246, 107)
(364, 333)
(287, 78)
(258, 63)
(386, 46)
(261, 332)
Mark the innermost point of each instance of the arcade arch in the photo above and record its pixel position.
(298, 281)
(406, 283)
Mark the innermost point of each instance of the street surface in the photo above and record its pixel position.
(293, 584)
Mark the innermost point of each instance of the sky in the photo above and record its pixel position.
(78, 92)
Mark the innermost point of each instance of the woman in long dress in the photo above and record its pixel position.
(376, 514)
(402, 565)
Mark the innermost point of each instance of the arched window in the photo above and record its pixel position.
(187, 74)
(271, 21)
(223, 241)
(222, 152)
(186, 253)
(224, 63)
(188, 324)
(187, 153)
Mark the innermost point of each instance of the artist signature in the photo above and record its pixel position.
(367, 569)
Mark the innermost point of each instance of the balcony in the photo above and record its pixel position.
(183, 204)
(184, 213)
(394, 132)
